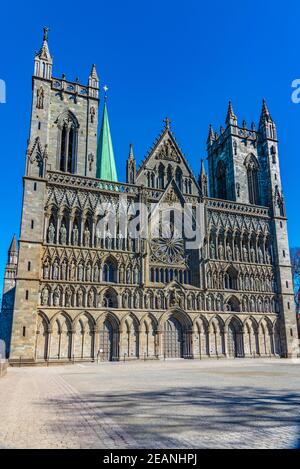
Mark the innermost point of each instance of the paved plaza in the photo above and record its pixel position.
(172, 404)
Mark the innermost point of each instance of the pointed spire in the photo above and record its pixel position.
(167, 123)
(203, 179)
(106, 166)
(13, 245)
(43, 60)
(93, 73)
(93, 83)
(231, 117)
(265, 115)
(131, 167)
(211, 135)
(44, 50)
(131, 155)
(202, 172)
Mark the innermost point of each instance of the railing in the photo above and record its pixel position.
(230, 206)
(90, 183)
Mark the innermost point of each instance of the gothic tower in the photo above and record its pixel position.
(131, 167)
(62, 139)
(244, 167)
(9, 293)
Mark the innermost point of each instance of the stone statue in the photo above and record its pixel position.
(45, 297)
(108, 237)
(68, 297)
(146, 300)
(64, 270)
(122, 273)
(237, 253)
(75, 235)
(91, 298)
(128, 275)
(136, 300)
(212, 250)
(56, 297)
(120, 240)
(221, 252)
(98, 238)
(228, 252)
(72, 271)
(260, 256)
(125, 299)
(63, 234)
(55, 270)
(96, 273)
(87, 236)
(80, 272)
(252, 254)
(88, 272)
(51, 233)
(245, 253)
(79, 298)
(46, 270)
(40, 98)
(136, 275)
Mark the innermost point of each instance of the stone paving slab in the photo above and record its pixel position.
(171, 404)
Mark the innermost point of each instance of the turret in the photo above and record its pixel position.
(267, 126)
(131, 167)
(93, 82)
(43, 60)
(203, 179)
(11, 266)
(231, 118)
(211, 135)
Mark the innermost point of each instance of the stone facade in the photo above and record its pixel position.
(80, 295)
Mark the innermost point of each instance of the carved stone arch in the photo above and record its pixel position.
(252, 167)
(42, 336)
(235, 345)
(217, 321)
(266, 323)
(67, 141)
(266, 344)
(148, 334)
(88, 317)
(200, 324)
(61, 331)
(109, 297)
(232, 303)
(235, 319)
(42, 316)
(179, 314)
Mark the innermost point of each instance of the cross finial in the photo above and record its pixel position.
(105, 88)
(167, 122)
(46, 31)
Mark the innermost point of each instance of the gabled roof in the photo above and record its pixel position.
(167, 133)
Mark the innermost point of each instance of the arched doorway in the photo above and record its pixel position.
(42, 339)
(106, 341)
(235, 340)
(173, 338)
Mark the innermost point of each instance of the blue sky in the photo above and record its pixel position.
(181, 59)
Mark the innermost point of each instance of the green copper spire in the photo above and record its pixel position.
(106, 166)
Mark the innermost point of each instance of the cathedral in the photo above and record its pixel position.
(166, 265)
